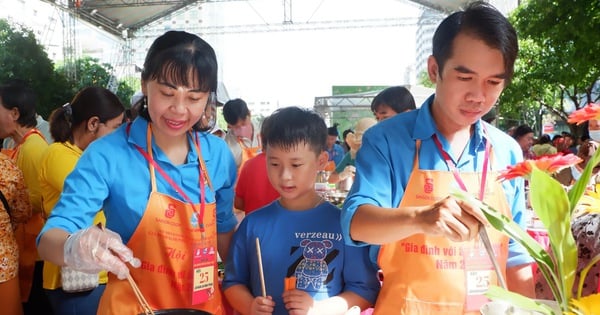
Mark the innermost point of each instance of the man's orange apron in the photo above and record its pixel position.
(177, 249)
(247, 153)
(27, 233)
(426, 274)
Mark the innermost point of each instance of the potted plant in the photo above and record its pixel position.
(554, 206)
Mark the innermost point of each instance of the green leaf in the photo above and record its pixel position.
(506, 225)
(518, 300)
(580, 186)
(550, 203)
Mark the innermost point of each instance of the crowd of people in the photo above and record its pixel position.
(101, 196)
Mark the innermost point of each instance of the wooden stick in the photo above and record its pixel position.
(136, 290)
(138, 294)
(260, 269)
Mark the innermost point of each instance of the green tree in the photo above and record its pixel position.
(21, 57)
(423, 79)
(558, 70)
(90, 72)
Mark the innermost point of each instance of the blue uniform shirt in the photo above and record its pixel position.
(336, 154)
(385, 161)
(114, 176)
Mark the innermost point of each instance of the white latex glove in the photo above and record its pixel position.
(347, 172)
(354, 310)
(94, 249)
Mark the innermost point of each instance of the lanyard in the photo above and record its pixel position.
(148, 156)
(452, 166)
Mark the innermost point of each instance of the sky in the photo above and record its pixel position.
(293, 67)
(279, 67)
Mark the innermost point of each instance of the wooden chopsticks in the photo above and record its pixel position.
(138, 294)
(140, 297)
(260, 268)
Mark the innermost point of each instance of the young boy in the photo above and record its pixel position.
(300, 234)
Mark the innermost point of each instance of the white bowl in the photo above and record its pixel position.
(503, 308)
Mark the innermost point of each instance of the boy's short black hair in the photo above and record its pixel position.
(287, 127)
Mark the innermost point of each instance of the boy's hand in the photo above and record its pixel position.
(298, 302)
(262, 306)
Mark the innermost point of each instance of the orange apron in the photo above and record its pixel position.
(330, 166)
(247, 153)
(426, 274)
(171, 240)
(27, 233)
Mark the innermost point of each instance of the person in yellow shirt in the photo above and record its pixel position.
(92, 113)
(18, 121)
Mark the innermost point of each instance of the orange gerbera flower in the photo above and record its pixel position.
(549, 164)
(589, 112)
(522, 169)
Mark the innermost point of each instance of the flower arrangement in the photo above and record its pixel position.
(554, 206)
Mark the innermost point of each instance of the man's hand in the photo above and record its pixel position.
(455, 219)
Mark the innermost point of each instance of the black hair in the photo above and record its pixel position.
(545, 138)
(332, 131)
(16, 93)
(175, 55)
(521, 131)
(398, 98)
(290, 126)
(89, 102)
(567, 135)
(344, 134)
(234, 110)
(482, 21)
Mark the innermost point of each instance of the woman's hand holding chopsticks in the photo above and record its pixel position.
(95, 249)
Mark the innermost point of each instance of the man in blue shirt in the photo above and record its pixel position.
(335, 151)
(400, 196)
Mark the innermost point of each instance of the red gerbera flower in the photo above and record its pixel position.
(589, 112)
(549, 164)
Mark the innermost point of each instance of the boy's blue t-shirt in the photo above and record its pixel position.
(305, 244)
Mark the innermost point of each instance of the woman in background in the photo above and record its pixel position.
(524, 137)
(93, 113)
(14, 209)
(18, 121)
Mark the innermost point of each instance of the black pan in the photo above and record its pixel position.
(180, 311)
